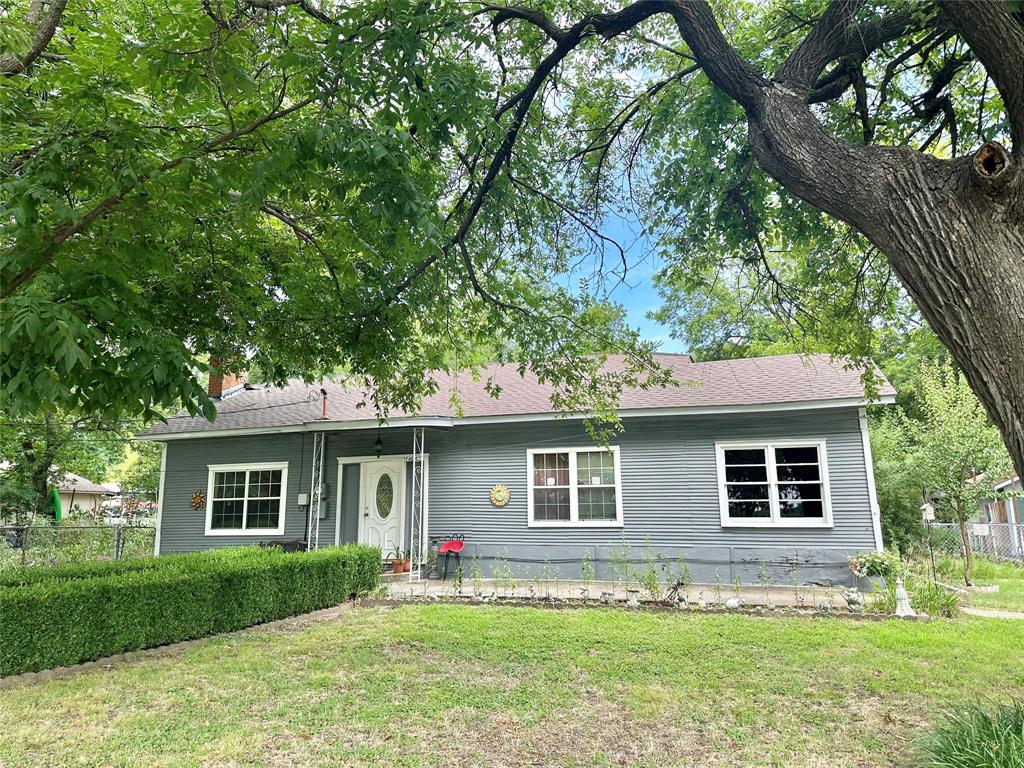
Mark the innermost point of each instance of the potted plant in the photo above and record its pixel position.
(400, 561)
(875, 570)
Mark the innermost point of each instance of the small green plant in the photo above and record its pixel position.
(504, 575)
(649, 575)
(736, 586)
(586, 569)
(678, 580)
(621, 566)
(718, 586)
(432, 562)
(764, 578)
(830, 596)
(794, 581)
(546, 575)
(925, 597)
(972, 736)
(476, 574)
(457, 581)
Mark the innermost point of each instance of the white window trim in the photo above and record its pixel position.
(212, 469)
(573, 521)
(776, 520)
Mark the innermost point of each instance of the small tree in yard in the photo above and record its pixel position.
(957, 452)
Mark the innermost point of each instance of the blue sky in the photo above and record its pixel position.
(637, 293)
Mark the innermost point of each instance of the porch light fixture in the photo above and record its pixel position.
(378, 445)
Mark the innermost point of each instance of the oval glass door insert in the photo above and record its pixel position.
(385, 496)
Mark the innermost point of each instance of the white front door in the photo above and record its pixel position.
(382, 504)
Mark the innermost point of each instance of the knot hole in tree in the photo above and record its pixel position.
(991, 159)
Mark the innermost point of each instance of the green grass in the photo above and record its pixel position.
(974, 736)
(448, 685)
(1009, 576)
(1010, 596)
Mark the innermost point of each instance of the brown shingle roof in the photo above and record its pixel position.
(72, 482)
(782, 380)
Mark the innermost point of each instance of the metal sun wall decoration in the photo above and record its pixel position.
(198, 499)
(500, 495)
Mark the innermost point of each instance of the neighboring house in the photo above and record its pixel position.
(77, 492)
(750, 461)
(1006, 521)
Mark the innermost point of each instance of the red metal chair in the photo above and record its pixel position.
(453, 545)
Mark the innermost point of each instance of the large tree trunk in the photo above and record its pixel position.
(953, 232)
(955, 236)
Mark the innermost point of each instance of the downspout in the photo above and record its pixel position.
(869, 468)
(160, 500)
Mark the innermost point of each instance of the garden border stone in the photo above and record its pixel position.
(571, 604)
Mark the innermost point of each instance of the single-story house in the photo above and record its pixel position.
(79, 493)
(746, 464)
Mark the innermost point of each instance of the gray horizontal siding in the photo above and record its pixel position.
(669, 482)
(182, 528)
(669, 489)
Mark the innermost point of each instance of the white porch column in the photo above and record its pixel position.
(316, 484)
(418, 532)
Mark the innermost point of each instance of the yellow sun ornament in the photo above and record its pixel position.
(500, 495)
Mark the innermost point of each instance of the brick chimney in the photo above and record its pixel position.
(221, 383)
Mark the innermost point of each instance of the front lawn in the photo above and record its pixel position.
(1010, 596)
(461, 685)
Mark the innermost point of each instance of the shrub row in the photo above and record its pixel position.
(90, 569)
(61, 622)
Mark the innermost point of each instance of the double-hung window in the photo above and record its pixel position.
(574, 486)
(246, 499)
(773, 484)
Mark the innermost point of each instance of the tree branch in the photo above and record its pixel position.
(61, 234)
(835, 37)
(304, 5)
(997, 38)
(821, 45)
(45, 30)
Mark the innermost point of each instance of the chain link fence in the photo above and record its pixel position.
(995, 541)
(51, 544)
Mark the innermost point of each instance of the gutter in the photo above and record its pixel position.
(448, 422)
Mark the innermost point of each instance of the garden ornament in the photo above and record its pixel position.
(903, 607)
(854, 600)
(734, 602)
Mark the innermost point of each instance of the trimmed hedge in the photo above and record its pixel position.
(88, 569)
(59, 622)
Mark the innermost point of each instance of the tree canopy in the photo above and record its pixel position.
(383, 186)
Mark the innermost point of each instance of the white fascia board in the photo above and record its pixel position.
(700, 410)
(447, 421)
(309, 426)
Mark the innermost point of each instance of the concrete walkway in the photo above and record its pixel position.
(992, 613)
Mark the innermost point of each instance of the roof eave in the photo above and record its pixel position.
(448, 422)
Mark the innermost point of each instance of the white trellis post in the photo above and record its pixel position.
(315, 489)
(418, 532)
